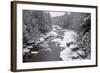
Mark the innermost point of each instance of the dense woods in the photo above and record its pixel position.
(39, 26)
(35, 24)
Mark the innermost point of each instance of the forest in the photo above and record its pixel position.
(42, 34)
